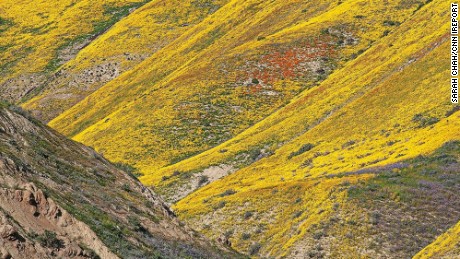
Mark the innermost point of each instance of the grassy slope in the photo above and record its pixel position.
(125, 45)
(399, 211)
(445, 246)
(161, 112)
(314, 106)
(33, 33)
(374, 126)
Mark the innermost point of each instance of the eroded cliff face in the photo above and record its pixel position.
(26, 211)
(60, 198)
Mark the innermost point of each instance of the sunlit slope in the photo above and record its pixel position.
(38, 36)
(391, 54)
(233, 69)
(395, 109)
(445, 246)
(125, 45)
(395, 214)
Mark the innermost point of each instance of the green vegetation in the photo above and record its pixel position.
(254, 249)
(5, 24)
(303, 149)
(114, 205)
(227, 193)
(49, 239)
(426, 191)
(203, 179)
(424, 120)
(4, 104)
(90, 252)
(114, 14)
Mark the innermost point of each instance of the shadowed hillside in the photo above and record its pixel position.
(445, 246)
(59, 198)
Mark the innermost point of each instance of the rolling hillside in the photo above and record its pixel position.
(62, 199)
(446, 246)
(36, 37)
(279, 129)
(222, 76)
(379, 110)
(312, 109)
(121, 48)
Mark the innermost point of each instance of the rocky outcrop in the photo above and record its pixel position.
(28, 205)
(61, 199)
(18, 87)
(34, 214)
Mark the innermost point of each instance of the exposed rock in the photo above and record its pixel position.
(211, 174)
(16, 88)
(56, 190)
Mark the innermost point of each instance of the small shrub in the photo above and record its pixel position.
(303, 149)
(352, 222)
(424, 120)
(255, 81)
(297, 214)
(220, 205)
(307, 163)
(248, 214)
(391, 23)
(254, 154)
(453, 110)
(136, 223)
(316, 252)
(203, 179)
(318, 235)
(374, 217)
(229, 233)
(320, 71)
(32, 235)
(254, 248)
(227, 193)
(335, 206)
(348, 144)
(126, 187)
(90, 253)
(49, 240)
(391, 143)
(245, 236)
